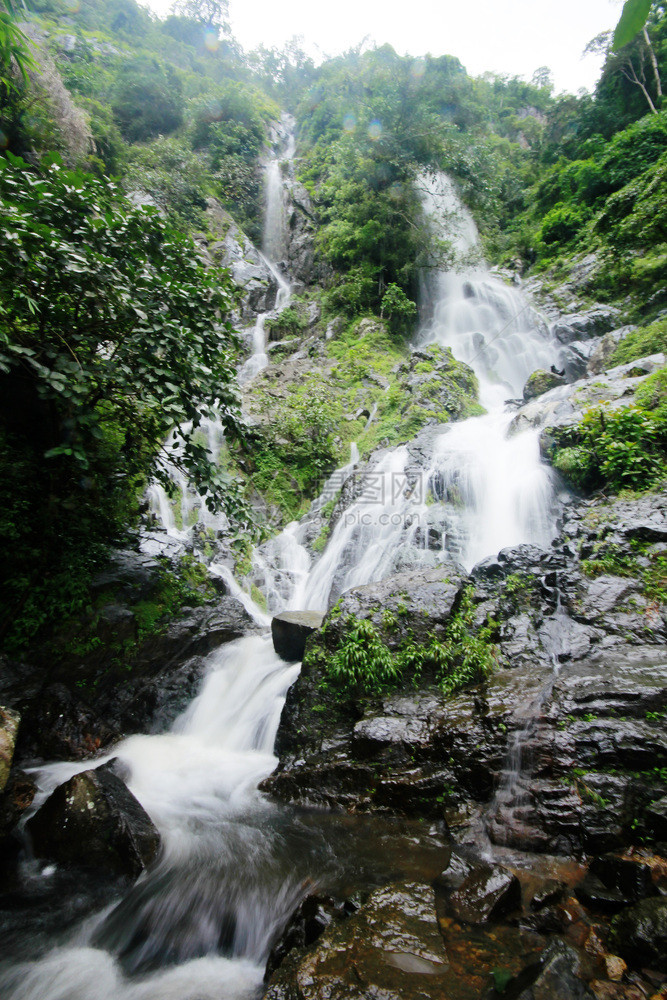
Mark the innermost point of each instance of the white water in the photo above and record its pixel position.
(217, 886)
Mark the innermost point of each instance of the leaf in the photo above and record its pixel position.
(632, 20)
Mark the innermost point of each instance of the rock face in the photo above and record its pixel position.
(94, 820)
(233, 249)
(76, 706)
(584, 325)
(432, 380)
(579, 688)
(566, 404)
(290, 631)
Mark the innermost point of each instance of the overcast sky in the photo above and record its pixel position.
(501, 36)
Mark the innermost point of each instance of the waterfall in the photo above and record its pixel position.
(234, 865)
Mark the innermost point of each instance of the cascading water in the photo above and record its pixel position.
(233, 865)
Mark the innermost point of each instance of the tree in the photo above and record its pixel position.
(14, 49)
(210, 13)
(112, 334)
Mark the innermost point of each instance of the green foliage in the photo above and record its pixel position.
(632, 20)
(112, 333)
(174, 176)
(293, 453)
(291, 322)
(641, 343)
(400, 311)
(147, 99)
(14, 49)
(619, 449)
(362, 664)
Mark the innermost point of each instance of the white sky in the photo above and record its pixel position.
(501, 36)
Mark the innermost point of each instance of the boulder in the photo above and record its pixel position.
(389, 948)
(308, 922)
(9, 724)
(291, 629)
(417, 603)
(487, 894)
(556, 977)
(95, 821)
(547, 894)
(540, 382)
(631, 876)
(594, 894)
(639, 934)
(16, 798)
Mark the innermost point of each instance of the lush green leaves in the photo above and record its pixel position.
(112, 333)
(632, 20)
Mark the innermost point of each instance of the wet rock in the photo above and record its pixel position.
(417, 602)
(9, 724)
(540, 382)
(307, 924)
(557, 977)
(594, 894)
(630, 876)
(389, 948)
(548, 894)
(639, 934)
(487, 894)
(94, 820)
(62, 726)
(291, 629)
(16, 798)
(656, 818)
(566, 405)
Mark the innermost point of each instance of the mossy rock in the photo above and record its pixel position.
(540, 382)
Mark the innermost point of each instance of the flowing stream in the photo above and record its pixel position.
(200, 923)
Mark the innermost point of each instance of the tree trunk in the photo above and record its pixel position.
(654, 64)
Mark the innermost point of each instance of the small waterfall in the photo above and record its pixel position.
(278, 166)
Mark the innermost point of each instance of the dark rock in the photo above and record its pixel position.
(632, 876)
(61, 725)
(487, 894)
(547, 894)
(94, 820)
(16, 798)
(639, 934)
(594, 894)
(557, 977)
(307, 924)
(540, 382)
(420, 602)
(656, 818)
(291, 629)
(462, 864)
(389, 948)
